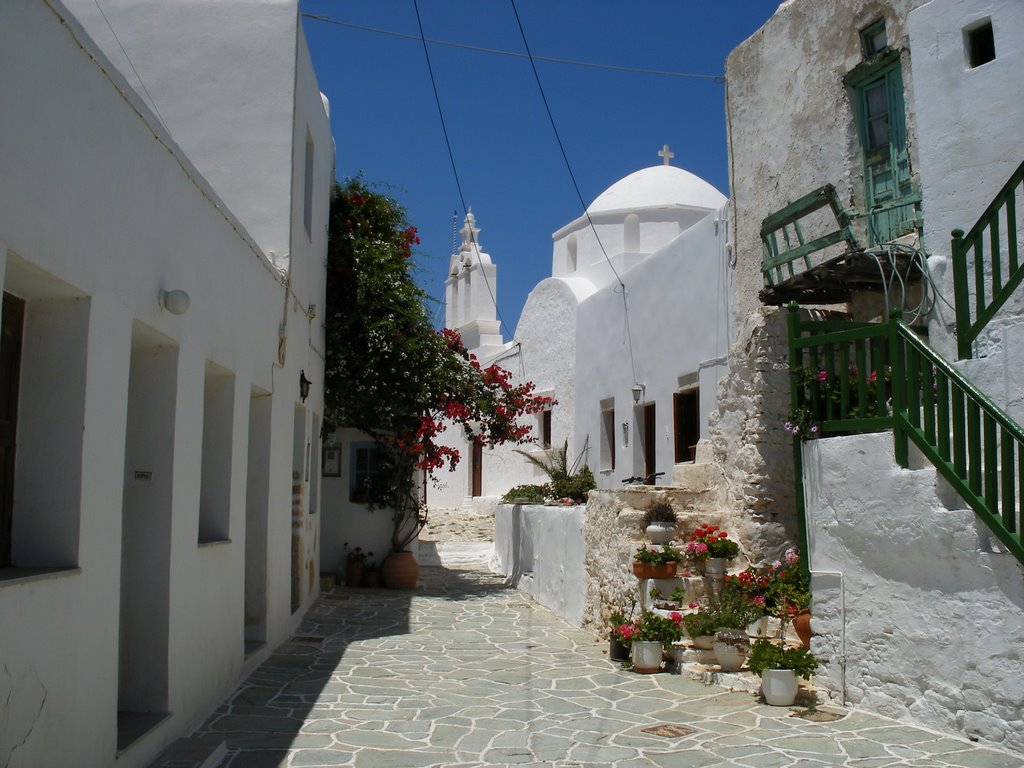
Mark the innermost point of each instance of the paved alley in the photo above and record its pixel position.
(466, 672)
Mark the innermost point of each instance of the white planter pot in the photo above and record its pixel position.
(703, 642)
(647, 656)
(716, 566)
(731, 649)
(661, 533)
(779, 687)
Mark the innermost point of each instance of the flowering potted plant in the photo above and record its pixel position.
(711, 547)
(651, 635)
(620, 636)
(789, 594)
(779, 668)
(655, 562)
(355, 563)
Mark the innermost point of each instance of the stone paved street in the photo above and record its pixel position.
(466, 672)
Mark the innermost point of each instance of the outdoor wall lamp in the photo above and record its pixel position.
(176, 302)
(638, 392)
(303, 385)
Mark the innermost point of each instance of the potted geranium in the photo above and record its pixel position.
(732, 613)
(789, 595)
(652, 635)
(779, 668)
(712, 548)
(655, 562)
(659, 522)
(620, 636)
(700, 627)
(754, 587)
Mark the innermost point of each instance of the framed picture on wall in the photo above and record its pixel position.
(332, 462)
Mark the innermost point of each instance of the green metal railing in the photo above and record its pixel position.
(986, 266)
(924, 400)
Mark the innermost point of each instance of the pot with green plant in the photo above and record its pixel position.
(651, 636)
(701, 626)
(711, 549)
(733, 613)
(779, 668)
(620, 636)
(655, 562)
(355, 563)
(789, 594)
(659, 522)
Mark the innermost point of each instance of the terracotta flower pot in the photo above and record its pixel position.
(400, 570)
(354, 574)
(650, 571)
(802, 627)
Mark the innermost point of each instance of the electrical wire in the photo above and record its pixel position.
(576, 186)
(455, 170)
(513, 54)
(152, 101)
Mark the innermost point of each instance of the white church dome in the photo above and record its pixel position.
(660, 186)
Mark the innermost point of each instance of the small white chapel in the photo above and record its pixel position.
(628, 335)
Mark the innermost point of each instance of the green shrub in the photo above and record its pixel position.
(526, 494)
(765, 654)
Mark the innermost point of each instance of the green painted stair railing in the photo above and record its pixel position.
(855, 377)
(986, 265)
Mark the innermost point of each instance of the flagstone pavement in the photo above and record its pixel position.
(464, 671)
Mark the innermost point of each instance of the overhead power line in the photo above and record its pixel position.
(515, 54)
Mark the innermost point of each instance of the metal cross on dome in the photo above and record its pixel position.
(666, 154)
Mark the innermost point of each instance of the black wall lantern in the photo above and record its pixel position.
(303, 385)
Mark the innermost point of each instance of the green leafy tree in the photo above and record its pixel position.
(388, 373)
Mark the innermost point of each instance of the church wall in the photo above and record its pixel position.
(677, 325)
(107, 210)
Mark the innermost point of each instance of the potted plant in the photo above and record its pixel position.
(620, 636)
(755, 587)
(701, 626)
(789, 595)
(651, 636)
(732, 613)
(659, 522)
(712, 548)
(779, 668)
(355, 562)
(655, 562)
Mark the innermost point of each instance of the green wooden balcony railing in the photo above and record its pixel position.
(986, 265)
(856, 377)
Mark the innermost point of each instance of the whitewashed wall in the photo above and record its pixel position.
(933, 614)
(677, 299)
(99, 211)
(540, 549)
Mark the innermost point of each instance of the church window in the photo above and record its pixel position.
(307, 198)
(979, 43)
(631, 234)
(571, 264)
(608, 434)
(366, 472)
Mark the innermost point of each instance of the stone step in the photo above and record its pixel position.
(193, 752)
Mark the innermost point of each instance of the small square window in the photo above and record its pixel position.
(979, 44)
(873, 38)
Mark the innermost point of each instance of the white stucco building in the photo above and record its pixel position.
(903, 105)
(628, 334)
(162, 241)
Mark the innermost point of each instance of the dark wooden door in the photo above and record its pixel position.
(650, 444)
(478, 467)
(10, 368)
(687, 421)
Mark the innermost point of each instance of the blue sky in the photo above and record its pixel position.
(611, 123)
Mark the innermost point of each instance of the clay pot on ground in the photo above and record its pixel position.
(617, 650)
(400, 570)
(802, 627)
(354, 573)
(371, 578)
(731, 648)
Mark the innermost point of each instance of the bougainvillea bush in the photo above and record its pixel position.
(388, 373)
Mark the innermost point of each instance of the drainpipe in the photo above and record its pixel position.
(842, 622)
